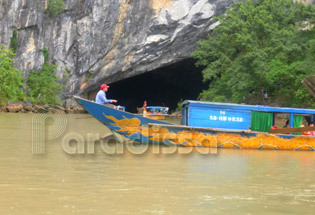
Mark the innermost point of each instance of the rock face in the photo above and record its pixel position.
(97, 41)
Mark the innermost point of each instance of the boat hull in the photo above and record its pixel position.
(228, 138)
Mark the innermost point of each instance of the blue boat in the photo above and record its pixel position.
(155, 112)
(207, 124)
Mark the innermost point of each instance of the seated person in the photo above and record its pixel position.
(101, 97)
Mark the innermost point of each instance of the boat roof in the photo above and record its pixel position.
(262, 108)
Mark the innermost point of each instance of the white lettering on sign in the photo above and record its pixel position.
(222, 112)
(225, 118)
(213, 117)
(222, 118)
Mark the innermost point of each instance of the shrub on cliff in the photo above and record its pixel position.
(261, 46)
(11, 80)
(55, 7)
(14, 41)
(42, 85)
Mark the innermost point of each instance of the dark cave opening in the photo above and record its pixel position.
(162, 87)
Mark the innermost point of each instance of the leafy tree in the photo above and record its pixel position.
(42, 85)
(55, 7)
(10, 78)
(260, 46)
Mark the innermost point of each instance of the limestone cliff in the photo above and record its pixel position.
(104, 41)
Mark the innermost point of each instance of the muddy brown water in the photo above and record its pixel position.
(152, 182)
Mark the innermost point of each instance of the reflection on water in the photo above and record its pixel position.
(229, 182)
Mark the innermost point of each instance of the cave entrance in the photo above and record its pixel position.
(162, 87)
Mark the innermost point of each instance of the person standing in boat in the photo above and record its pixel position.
(101, 97)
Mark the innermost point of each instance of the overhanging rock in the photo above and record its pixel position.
(103, 41)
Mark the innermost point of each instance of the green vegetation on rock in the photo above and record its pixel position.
(55, 7)
(10, 78)
(46, 55)
(66, 74)
(42, 85)
(260, 46)
(14, 41)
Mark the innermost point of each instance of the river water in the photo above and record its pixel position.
(102, 181)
